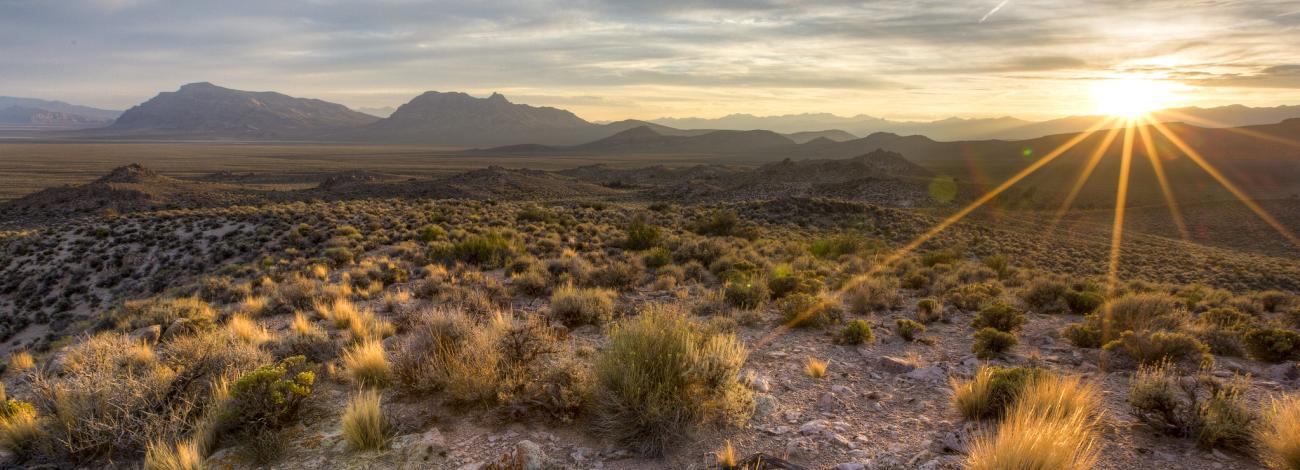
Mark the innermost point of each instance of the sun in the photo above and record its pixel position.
(1131, 97)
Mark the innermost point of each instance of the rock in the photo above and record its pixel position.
(580, 454)
(895, 365)
(765, 405)
(816, 426)
(842, 390)
(426, 450)
(839, 440)
(57, 362)
(178, 327)
(530, 455)
(932, 374)
(759, 383)
(147, 335)
(1283, 372)
(829, 403)
(850, 466)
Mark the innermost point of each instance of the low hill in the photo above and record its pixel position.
(834, 135)
(496, 183)
(96, 114)
(19, 116)
(126, 189)
(207, 110)
(646, 140)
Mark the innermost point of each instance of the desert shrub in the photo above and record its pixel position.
(641, 235)
(990, 392)
(1146, 311)
(159, 311)
(297, 293)
(657, 257)
(534, 213)
(1278, 437)
(366, 365)
(998, 263)
(1226, 317)
(867, 295)
(573, 306)
(782, 282)
(429, 233)
(908, 329)
(1211, 410)
(490, 250)
(1221, 341)
(848, 243)
(1046, 296)
(622, 275)
(306, 338)
(21, 430)
(973, 296)
(364, 425)
(268, 398)
(857, 332)
(658, 377)
(183, 455)
(803, 310)
(1001, 317)
(1272, 344)
(208, 358)
(815, 368)
(1274, 300)
(534, 282)
(930, 311)
(1150, 347)
(1082, 335)
(745, 292)
(339, 255)
(991, 342)
(1083, 302)
(719, 223)
(945, 256)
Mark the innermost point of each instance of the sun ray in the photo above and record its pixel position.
(1149, 145)
(1079, 182)
(1121, 201)
(983, 199)
(1223, 181)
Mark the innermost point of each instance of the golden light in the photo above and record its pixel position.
(1131, 97)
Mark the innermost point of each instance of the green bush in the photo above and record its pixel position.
(659, 378)
(1150, 347)
(657, 257)
(804, 310)
(575, 307)
(746, 293)
(1001, 317)
(997, 388)
(908, 329)
(835, 246)
(490, 250)
(535, 282)
(991, 343)
(868, 295)
(641, 235)
(719, 223)
(1083, 302)
(617, 274)
(534, 213)
(268, 398)
(932, 258)
(1226, 318)
(1082, 335)
(1046, 296)
(1272, 344)
(930, 311)
(782, 283)
(429, 233)
(971, 297)
(857, 332)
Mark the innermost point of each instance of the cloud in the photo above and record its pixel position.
(643, 58)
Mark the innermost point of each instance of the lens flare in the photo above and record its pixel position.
(1131, 97)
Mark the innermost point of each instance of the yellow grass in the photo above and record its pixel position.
(303, 326)
(1278, 438)
(972, 398)
(364, 425)
(1028, 440)
(1060, 396)
(21, 361)
(366, 364)
(727, 456)
(253, 306)
(19, 431)
(248, 330)
(183, 456)
(815, 368)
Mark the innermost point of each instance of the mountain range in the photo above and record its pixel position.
(1005, 128)
(46, 114)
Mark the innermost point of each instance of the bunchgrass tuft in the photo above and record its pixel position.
(364, 425)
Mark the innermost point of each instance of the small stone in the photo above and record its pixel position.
(850, 466)
(895, 365)
(932, 374)
(530, 455)
(828, 402)
(764, 405)
(425, 450)
(816, 426)
(147, 335)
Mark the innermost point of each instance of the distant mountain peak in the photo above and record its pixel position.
(133, 173)
(202, 108)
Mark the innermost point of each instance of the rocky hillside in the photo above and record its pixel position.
(207, 110)
(18, 116)
(459, 119)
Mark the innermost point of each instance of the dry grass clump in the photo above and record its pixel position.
(21, 361)
(1051, 424)
(248, 330)
(364, 425)
(815, 368)
(1132, 312)
(366, 365)
(1027, 440)
(1213, 411)
(159, 311)
(990, 392)
(574, 307)
(1278, 437)
(20, 427)
(658, 377)
(805, 310)
(183, 455)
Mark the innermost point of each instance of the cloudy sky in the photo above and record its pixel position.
(605, 60)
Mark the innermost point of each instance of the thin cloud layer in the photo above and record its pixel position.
(618, 59)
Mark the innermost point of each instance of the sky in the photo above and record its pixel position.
(644, 59)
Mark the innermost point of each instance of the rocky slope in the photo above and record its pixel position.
(207, 110)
